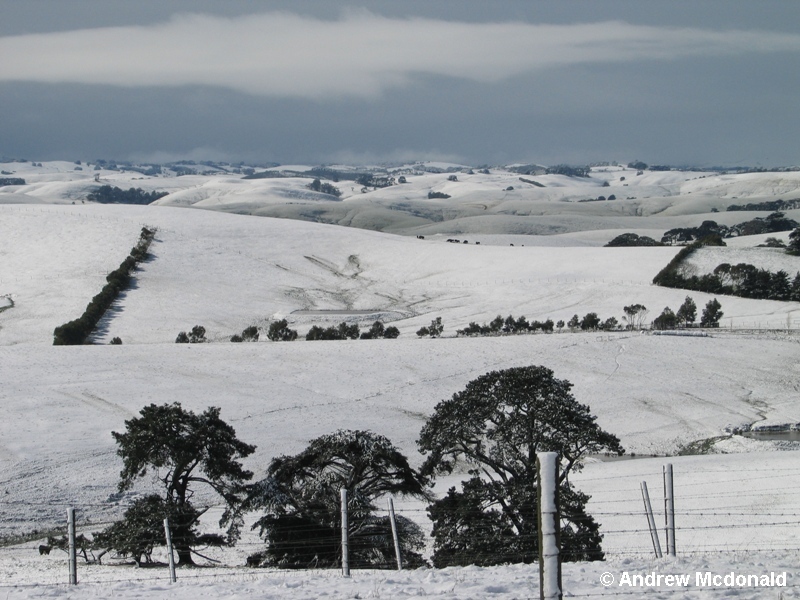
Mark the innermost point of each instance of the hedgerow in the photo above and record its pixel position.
(77, 331)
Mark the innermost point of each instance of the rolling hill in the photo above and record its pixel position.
(662, 395)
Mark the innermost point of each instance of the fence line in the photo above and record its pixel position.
(713, 516)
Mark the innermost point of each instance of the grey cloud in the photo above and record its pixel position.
(359, 55)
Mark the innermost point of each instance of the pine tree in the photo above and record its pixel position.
(300, 498)
(795, 291)
(687, 313)
(712, 313)
(794, 242)
(497, 424)
(183, 449)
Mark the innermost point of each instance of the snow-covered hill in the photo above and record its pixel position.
(485, 201)
(659, 394)
(227, 272)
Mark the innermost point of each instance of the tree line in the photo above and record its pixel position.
(743, 280)
(78, 330)
(634, 318)
(687, 315)
(496, 425)
(107, 194)
(279, 331)
(772, 223)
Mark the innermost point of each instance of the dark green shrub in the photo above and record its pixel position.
(279, 332)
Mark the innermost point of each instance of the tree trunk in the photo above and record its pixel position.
(184, 556)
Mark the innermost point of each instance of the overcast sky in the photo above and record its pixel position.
(695, 82)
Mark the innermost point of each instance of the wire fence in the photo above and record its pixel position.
(708, 519)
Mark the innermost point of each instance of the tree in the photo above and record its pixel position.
(325, 188)
(687, 313)
(142, 528)
(342, 331)
(635, 315)
(780, 287)
(631, 239)
(496, 425)
(196, 336)
(376, 331)
(434, 329)
(712, 313)
(279, 332)
(666, 320)
(590, 321)
(574, 322)
(610, 324)
(249, 334)
(794, 242)
(772, 242)
(496, 324)
(301, 500)
(183, 449)
(794, 293)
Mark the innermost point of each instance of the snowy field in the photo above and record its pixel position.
(227, 272)
(738, 508)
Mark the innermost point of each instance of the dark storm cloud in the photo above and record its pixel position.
(322, 85)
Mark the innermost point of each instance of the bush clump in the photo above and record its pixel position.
(343, 331)
(279, 332)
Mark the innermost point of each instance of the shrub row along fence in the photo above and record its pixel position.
(77, 331)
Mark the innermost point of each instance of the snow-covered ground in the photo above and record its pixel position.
(705, 578)
(738, 507)
(227, 272)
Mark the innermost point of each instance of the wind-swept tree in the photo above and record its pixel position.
(184, 449)
(300, 498)
(496, 425)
